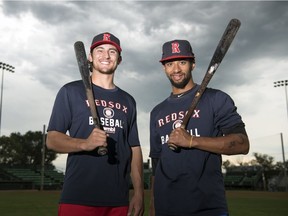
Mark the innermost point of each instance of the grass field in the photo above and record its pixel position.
(241, 203)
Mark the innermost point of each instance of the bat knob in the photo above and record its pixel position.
(173, 147)
(102, 150)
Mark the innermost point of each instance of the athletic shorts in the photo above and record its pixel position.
(176, 215)
(80, 210)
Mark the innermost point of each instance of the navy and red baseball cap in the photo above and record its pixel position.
(106, 38)
(176, 49)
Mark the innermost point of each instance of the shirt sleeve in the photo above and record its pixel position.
(155, 144)
(227, 119)
(133, 135)
(60, 119)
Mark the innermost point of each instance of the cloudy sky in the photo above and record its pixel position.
(37, 38)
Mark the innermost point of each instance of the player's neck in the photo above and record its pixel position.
(188, 87)
(105, 81)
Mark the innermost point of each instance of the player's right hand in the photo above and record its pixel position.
(97, 138)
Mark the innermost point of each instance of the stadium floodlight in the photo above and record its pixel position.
(8, 68)
(283, 83)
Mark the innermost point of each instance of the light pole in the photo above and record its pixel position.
(43, 159)
(8, 68)
(284, 83)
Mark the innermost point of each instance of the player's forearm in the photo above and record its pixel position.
(62, 143)
(231, 144)
(137, 170)
(151, 204)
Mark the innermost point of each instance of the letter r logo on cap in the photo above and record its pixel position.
(106, 37)
(175, 47)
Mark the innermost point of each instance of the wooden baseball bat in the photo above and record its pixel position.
(85, 74)
(223, 46)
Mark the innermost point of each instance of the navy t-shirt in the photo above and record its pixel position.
(91, 179)
(190, 182)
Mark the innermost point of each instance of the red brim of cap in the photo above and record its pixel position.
(98, 43)
(176, 57)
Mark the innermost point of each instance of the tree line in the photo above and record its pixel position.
(26, 149)
(267, 162)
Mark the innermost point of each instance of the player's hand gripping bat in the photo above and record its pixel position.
(218, 56)
(85, 74)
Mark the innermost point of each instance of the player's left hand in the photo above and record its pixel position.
(136, 206)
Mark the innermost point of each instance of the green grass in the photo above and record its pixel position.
(248, 203)
(28, 203)
(257, 203)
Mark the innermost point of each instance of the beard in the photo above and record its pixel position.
(111, 71)
(182, 84)
(104, 70)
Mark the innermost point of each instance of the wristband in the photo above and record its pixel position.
(190, 143)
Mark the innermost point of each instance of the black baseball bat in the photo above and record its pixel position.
(85, 74)
(223, 46)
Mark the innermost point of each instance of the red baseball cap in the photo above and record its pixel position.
(176, 49)
(105, 38)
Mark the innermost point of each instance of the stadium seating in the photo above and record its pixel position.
(243, 177)
(32, 178)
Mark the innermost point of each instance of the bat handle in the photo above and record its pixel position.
(173, 147)
(102, 150)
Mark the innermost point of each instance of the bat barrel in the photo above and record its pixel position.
(221, 49)
(85, 74)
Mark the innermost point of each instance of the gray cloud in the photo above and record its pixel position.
(38, 36)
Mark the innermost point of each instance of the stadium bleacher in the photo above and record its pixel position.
(30, 178)
(236, 177)
(244, 177)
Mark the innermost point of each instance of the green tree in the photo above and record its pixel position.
(226, 164)
(264, 160)
(24, 149)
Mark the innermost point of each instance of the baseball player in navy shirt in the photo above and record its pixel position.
(96, 185)
(189, 182)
